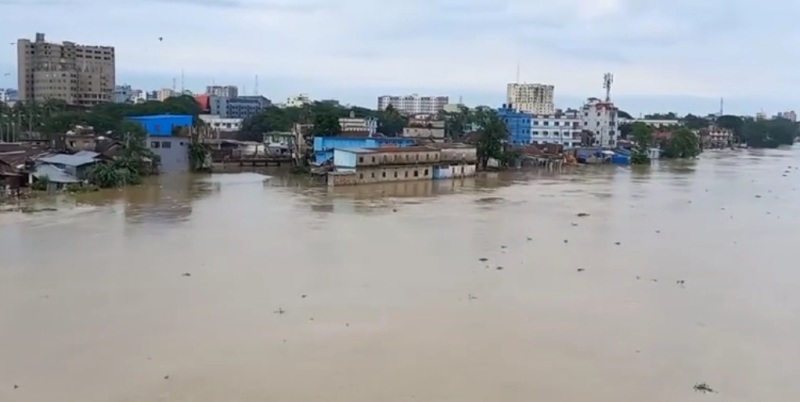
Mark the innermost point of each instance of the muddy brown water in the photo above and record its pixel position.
(94, 305)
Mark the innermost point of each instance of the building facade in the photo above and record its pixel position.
(425, 126)
(298, 100)
(324, 146)
(600, 119)
(380, 165)
(172, 149)
(518, 124)
(8, 95)
(240, 107)
(222, 124)
(414, 104)
(123, 94)
(352, 124)
(561, 128)
(162, 125)
(790, 115)
(531, 98)
(228, 91)
(77, 74)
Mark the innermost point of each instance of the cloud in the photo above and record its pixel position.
(655, 48)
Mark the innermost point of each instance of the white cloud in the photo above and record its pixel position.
(654, 47)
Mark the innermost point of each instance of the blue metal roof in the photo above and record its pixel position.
(69, 160)
(54, 174)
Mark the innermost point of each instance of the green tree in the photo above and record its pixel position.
(730, 122)
(682, 144)
(643, 139)
(769, 133)
(391, 122)
(693, 122)
(326, 124)
(624, 115)
(490, 141)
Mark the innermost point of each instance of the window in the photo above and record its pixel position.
(154, 144)
(425, 173)
(372, 175)
(373, 159)
(361, 175)
(166, 144)
(406, 173)
(416, 156)
(395, 174)
(360, 159)
(383, 174)
(416, 173)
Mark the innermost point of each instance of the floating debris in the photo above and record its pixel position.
(758, 196)
(483, 259)
(680, 282)
(503, 246)
(703, 387)
(566, 241)
(166, 377)
(574, 224)
(347, 324)
(16, 386)
(529, 239)
(582, 214)
(617, 243)
(658, 231)
(303, 296)
(186, 274)
(637, 277)
(655, 280)
(499, 268)
(472, 297)
(581, 270)
(280, 311)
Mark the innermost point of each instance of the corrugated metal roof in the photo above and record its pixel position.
(86, 154)
(54, 174)
(69, 160)
(356, 150)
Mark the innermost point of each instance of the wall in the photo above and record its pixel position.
(162, 125)
(518, 125)
(341, 179)
(454, 171)
(323, 146)
(174, 152)
(465, 154)
(383, 174)
(343, 158)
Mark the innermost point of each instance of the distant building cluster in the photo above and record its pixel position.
(414, 104)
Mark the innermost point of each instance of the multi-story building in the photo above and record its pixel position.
(531, 98)
(221, 124)
(601, 120)
(414, 104)
(77, 74)
(165, 93)
(790, 115)
(298, 100)
(518, 124)
(123, 94)
(352, 125)
(561, 128)
(8, 95)
(240, 107)
(172, 149)
(425, 126)
(229, 91)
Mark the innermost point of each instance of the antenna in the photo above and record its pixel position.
(608, 79)
(256, 87)
(173, 84)
(721, 104)
(182, 87)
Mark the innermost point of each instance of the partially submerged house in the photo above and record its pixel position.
(64, 168)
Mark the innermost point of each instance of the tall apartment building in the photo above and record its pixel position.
(77, 74)
(228, 91)
(414, 104)
(531, 98)
(600, 118)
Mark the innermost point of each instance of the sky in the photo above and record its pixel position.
(666, 55)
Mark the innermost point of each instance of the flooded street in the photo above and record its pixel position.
(378, 294)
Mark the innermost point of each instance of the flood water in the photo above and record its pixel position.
(377, 293)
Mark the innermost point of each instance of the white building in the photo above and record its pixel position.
(222, 124)
(227, 91)
(425, 126)
(600, 118)
(531, 98)
(354, 124)
(563, 128)
(655, 123)
(164, 93)
(122, 94)
(8, 95)
(414, 104)
(298, 100)
(790, 115)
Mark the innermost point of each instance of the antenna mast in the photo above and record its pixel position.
(182, 87)
(721, 109)
(608, 79)
(255, 90)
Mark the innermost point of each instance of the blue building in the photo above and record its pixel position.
(237, 107)
(173, 151)
(518, 124)
(323, 146)
(162, 125)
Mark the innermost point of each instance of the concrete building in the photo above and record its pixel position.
(222, 124)
(379, 165)
(8, 95)
(561, 128)
(165, 93)
(123, 94)
(518, 124)
(228, 91)
(600, 118)
(655, 123)
(298, 100)
(172, 149)
(455, 161)
(414, 104)
(77, 74)
(324, 146)
(352, 125)
(531, 98)
(240, 107)
(425, 127)
(790, 115)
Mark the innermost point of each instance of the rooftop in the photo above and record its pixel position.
(81, 159)
(403, 149)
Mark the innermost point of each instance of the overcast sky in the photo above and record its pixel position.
(680, 55)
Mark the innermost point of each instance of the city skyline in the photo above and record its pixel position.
(467, 49)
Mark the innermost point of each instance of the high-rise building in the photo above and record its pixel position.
(414, 104)
(600, 118)
(531, 98)
(77, 74)
(228, 91)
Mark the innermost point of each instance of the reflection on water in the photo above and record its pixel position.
(384, 296)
